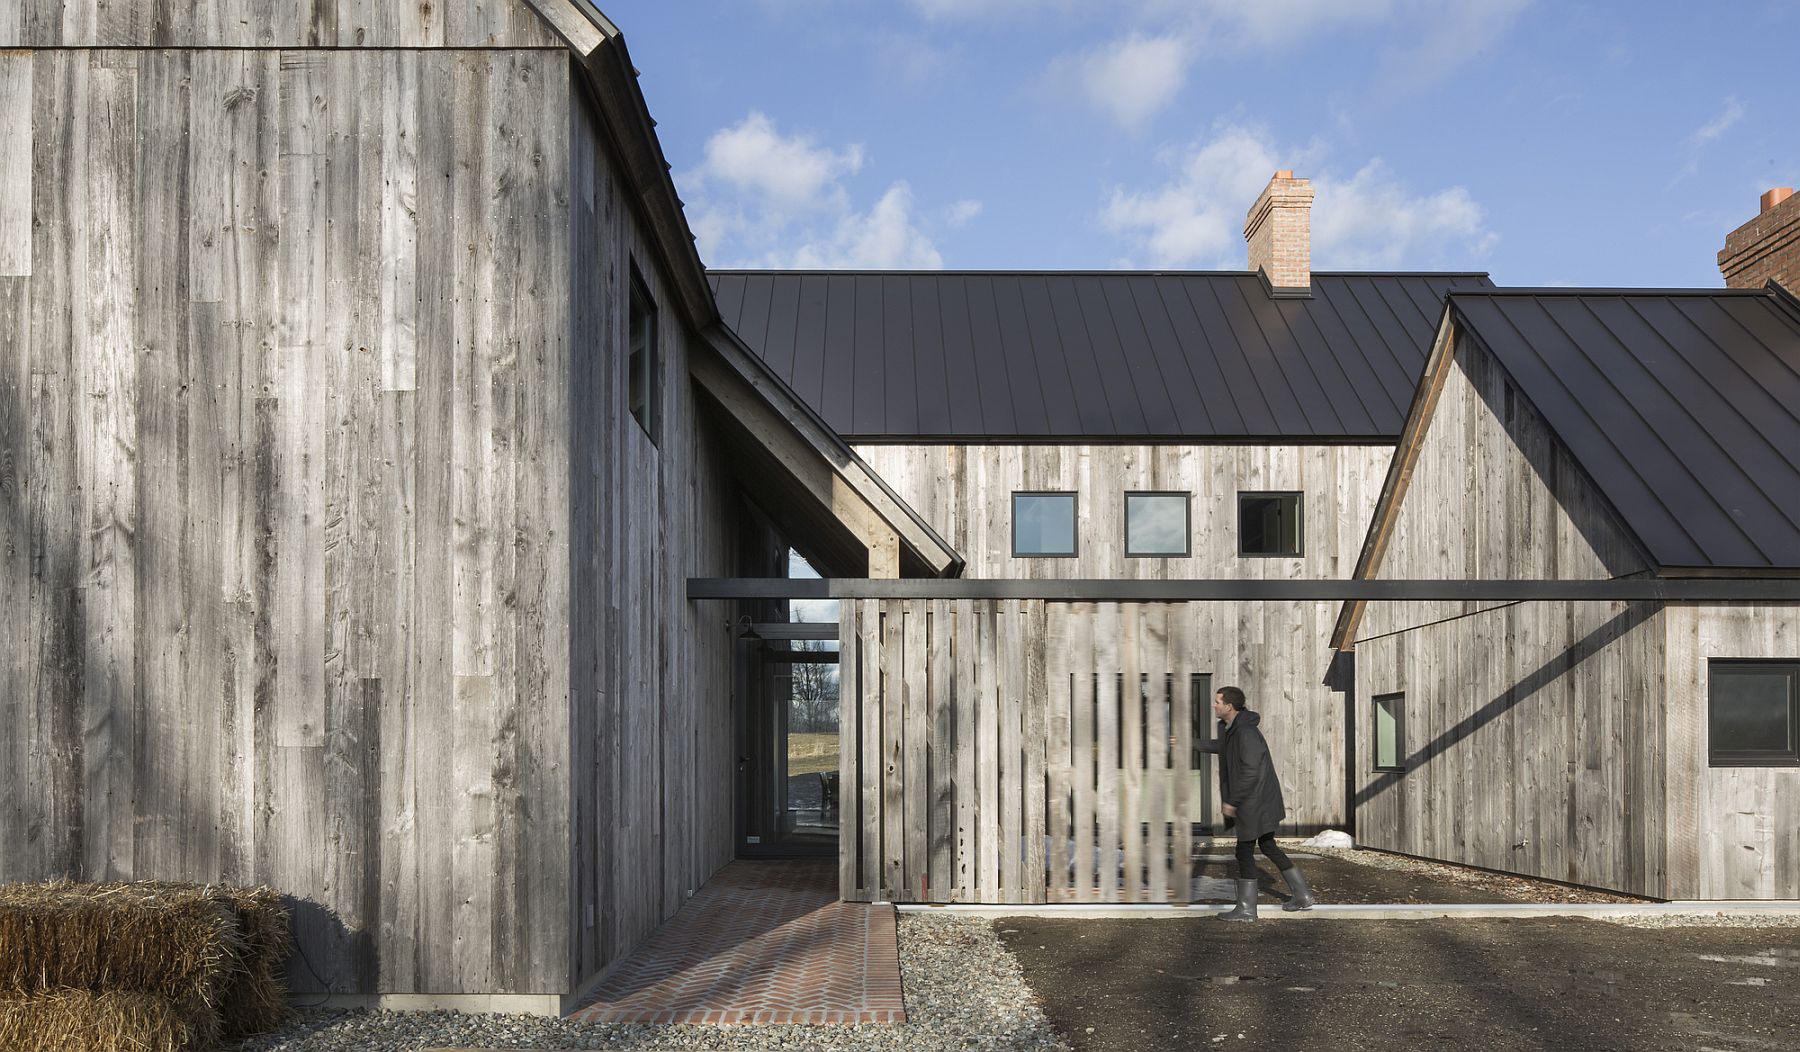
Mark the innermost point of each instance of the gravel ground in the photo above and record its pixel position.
(1707, 920)
(1516, 889)
(964, 991)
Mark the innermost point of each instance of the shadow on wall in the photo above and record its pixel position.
(1616, 628)
(317, 925)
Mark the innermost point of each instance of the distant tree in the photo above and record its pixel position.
(815, 693)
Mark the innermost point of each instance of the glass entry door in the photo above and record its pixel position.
(788, 770)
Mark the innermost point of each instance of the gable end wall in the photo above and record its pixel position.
(1534, 737)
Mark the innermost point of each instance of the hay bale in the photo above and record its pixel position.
(256, 999)
(170, 940)
(215, 953)
(58, 1020)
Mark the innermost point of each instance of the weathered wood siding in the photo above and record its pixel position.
(307, 582)
(1494, 495)
(1535, 732)
(1278, 652)
(991, 752)
(652, 673)
(1534, 743)
(262, 24)
(1734, 832)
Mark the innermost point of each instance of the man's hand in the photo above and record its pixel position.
(1230, 811)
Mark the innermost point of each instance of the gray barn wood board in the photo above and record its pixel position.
(1590, 716)
(251, 24)
(1277, 651)
(1734, 832)
(1029, 827)
(324, 568)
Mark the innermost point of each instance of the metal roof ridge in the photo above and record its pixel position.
(1576, 290)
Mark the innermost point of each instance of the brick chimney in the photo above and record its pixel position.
(1279, 232)
(1766, 247)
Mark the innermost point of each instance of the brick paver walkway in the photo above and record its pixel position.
(762, 942)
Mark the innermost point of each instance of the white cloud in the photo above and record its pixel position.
(1278, 23)
(787, 172)
(1129, 79)
(760, 198)
(1705, 135)
(884, 237)
(1197, 217)
(970, 10)
(960, 213)
(1719, 125)
(1370, 220)
(1449, 35)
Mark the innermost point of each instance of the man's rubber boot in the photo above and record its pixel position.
(1246, 903)
(1300, 896)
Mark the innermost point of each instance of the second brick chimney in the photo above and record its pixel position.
(1767, 247)
(1279, 232)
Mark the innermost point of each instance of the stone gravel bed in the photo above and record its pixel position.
(1733, 919)
(1520, 889)
(964, 991)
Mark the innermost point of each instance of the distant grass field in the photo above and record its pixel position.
(812, 753)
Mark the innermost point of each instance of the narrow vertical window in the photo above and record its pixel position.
(1390, 732)
(1753, 713)
(1269, 524)
(641, 386)
(1044, 524)
(1156, 525)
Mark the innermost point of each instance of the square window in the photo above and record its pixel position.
(1390, 732)
(1269, 524)
(1044, 524)
(1156, 525)
(1753, 713)
(641, 380)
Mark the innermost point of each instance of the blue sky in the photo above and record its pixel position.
(1546, 143)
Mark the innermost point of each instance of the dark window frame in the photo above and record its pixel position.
(1074, 496)
(1299, 497)
(641, 310)
(1187, 520)
(1375, 707)
(1785, 757)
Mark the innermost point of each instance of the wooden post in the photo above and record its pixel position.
(884, 556)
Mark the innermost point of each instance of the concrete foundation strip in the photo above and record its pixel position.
(1377, 911)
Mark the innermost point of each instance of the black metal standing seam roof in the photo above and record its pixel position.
(1061, 356)
(1684, 408)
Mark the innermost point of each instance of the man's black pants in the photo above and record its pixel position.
(1246, 856)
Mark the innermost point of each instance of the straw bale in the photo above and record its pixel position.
(215, 953)
(256, 998)
(171, 940)
(62, 1020)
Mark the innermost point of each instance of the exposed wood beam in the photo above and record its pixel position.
(816, 457)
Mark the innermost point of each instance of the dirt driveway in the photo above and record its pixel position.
(1345, 984)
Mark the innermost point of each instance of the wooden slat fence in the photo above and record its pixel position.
(992, 752)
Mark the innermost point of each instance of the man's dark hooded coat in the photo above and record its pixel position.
(1247, 778)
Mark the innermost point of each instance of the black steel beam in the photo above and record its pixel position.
(1658, 589)
(792, 629)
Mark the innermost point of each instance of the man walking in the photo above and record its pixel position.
(1252, 796)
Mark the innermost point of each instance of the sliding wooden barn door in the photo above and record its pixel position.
(1017, 751)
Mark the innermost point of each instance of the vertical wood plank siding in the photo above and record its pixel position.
(1536, 733)
(651, 673)
(1028, 827)
(333, 560)
(1278, 652)
(1734, 832)
(255, 24)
